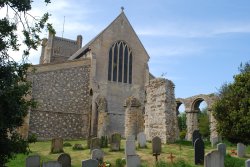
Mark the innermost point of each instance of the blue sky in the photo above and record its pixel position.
(196, 44)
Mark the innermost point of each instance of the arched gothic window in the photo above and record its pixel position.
(120, 63)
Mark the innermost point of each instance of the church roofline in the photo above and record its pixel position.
(86, 48)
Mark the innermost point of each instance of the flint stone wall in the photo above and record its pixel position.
(61, 91)
(160, 114)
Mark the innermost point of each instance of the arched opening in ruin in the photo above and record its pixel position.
(200, 106)
(181, 116)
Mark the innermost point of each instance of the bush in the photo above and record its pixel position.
(67, 144)
(78, 147)
(32, 138)
(183, 134)
(233, 162)
(120, 162)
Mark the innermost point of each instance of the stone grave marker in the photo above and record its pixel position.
(115, 143)
(130, 147)
(247, 163)
(51, 164)
(156, 147)
(33, 161)
(141, 139)
(133, 161)
(57, 145)
(65, 160)
(196, 134)
(222, 148)
(241, 150)
(199, 151)
(90, 163)
(95, 143)
(97, 154)
(214, 159)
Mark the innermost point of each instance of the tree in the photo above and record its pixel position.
(232, 110)
(182, 125)
(204, 123)
(13, 76)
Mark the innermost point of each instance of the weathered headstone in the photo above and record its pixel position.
(156, 147)
(222, 148)
(90, 163)
(130, 147)
(133, 161)
(115, 142)
(141, 139)
(52, 164)
(214, 159)
(241, 150)
(33, 161)
(65, 160)
(95, 143)
(97, 154)
(131, 137)
(196, 134)
(247, 163)
(199, 151)
(57, 145)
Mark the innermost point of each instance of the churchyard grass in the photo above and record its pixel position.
(181, 151)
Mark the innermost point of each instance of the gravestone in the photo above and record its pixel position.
(65, 160)
(97, 154)
(196, 134)
(57, 145)
(51, 164)
(214, 159)
(241, 150)
(115, 143)
(95, 143)
(33, 161)
(90, 163)
(222, 148)
(133, 161)
(130, 147)
(156, 145)
(247, 163)
(131, 137)
(199, 151)
(141, 139)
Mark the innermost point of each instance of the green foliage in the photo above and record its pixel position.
(78, 147)
(203, 120)
(67, 144)
(232, 110)
(233, 161)
(178, 163)
(14, 86)
(182, 125)
(104, 142)
(120, 162)
(32, 138)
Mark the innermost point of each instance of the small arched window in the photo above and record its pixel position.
(120, 63)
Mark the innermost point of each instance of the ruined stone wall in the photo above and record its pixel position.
(62, 93)
(160, 114)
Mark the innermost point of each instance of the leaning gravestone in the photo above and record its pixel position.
(247, 163)
(95, 143)
(141, 139)
(52, 164)
(65, 160)
(222, 148)
(97, 154)
(196, 134)
(115, 143)
(57, 145)
(33, 161)
(199, 151)
(241, 150)
(90, 163)
(214, 159)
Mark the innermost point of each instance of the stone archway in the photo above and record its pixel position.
(192, 109)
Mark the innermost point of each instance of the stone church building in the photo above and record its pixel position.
(100, 88)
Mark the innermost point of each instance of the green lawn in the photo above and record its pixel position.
(181, 151)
